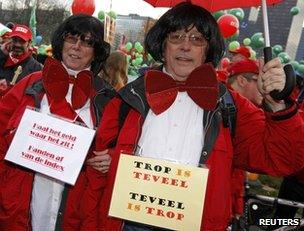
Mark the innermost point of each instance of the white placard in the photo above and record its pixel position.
(4, 29)
(51, 146)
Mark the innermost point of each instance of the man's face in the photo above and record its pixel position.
(184, 51)
(19, 46)
(251, 92)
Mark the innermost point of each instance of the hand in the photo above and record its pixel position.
(6, 47)
(3, 84)
(101, 161)
(271, 77)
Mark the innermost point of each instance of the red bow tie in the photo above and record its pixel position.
(201, 85)
(56, 83)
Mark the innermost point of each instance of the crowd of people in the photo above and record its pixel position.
(169, 114)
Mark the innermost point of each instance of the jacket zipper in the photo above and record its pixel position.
(138, 135)
(139, 120)
(136, 94)
(209, 119)
(96, 106)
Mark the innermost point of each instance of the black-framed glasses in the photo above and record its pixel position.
(195, 39)
(85, 40)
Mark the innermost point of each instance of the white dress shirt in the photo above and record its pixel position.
(176, 134)
(47, 191)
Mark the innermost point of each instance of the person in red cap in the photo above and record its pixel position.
(240, 54)
(16, 59)
(243, 76)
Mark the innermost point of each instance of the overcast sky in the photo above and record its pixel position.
(126, 7)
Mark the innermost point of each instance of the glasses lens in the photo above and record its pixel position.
(196, 40)
(71, 38)
(176, 38)
(85, 41)
(17, 40)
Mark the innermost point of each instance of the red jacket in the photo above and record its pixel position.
(238, 189)
(264, 143)
(16, 182)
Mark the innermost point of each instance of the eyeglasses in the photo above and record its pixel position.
(85, 41)
(18, 40)
(195, 39)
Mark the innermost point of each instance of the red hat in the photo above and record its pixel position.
(21, 31)
(243, 66)
(243, 51)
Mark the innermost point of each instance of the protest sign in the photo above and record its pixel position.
(4, 29)
(49, 145)
(159, 193)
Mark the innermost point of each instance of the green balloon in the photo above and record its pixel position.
(252, 54)
(132, 72)
(233, 45)
(281, 60)
(294, 10)
(294, 64)
(112, 14)
(301, 69)
(237, 12)
(128, 46)
(257, 40)
(134, 62)
(128, 58)
(276, 49)
(42, 49)
(140, 49)
(246, 41)
(218, 14)
(285, 57)
(101, 15)
(137, 44)
(139, 61)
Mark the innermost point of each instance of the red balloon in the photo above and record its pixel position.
(228, 24)
(83, 7)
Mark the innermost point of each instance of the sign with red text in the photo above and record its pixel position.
(51, 146)
(159, 193)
